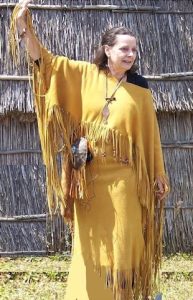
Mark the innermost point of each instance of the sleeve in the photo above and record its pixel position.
(43, 69)
(69, 70)
(57, 87)
(152, 135)
(159, 168)
(151, 140)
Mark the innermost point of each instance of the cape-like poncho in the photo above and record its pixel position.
(72, 107)
(120, 235)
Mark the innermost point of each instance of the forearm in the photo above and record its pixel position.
(30, 41)
(25, 29)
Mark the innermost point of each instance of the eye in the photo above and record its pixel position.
(124, 49)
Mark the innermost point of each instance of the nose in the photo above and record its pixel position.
(130, 53)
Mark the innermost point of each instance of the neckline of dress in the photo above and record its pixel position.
(115, 80)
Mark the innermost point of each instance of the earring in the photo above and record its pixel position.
(108, 62)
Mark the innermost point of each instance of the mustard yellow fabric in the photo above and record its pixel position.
(118, 232)
(118, 221)
(108, 238)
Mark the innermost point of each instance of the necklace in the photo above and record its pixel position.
(109, 100)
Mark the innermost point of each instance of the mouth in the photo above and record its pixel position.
(127, 62)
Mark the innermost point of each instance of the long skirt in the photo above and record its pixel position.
(108, 241)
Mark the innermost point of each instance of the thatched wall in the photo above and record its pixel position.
(165, 44)
(177, 140)
(169, 95)
(165, 31)
(165, 38)
(19, 142)
(24, 225)
(22, 193)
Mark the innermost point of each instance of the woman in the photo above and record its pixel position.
(118, 196)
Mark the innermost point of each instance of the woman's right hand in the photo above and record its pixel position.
(25, 31)
(22, 15)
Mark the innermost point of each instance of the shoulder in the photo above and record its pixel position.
(70, 66)
(137, 79)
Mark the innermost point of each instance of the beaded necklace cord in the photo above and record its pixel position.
(105, 110)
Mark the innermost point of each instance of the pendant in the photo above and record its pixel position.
(105, 113)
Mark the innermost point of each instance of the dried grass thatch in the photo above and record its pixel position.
(22, 237)
(22, 193)
(73, 28)
(165, 42)
(22, 190)
(168, 96)
(76, 34)
(24, 226)
(23, 179)
(19, 142)
(177, 131)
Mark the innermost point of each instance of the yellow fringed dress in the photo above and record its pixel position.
(118, 223)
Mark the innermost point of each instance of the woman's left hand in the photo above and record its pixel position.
(162, 188)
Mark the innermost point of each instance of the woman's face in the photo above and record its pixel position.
(122, 55)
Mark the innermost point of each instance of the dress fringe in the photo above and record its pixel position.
(125, 152)
(57, 132)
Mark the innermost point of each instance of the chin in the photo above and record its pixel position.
(127, 68)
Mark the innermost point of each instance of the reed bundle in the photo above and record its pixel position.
(74, 28)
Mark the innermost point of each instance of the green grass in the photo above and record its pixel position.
(44, 278)
(55, 263)
(177, 277)
(36, 288)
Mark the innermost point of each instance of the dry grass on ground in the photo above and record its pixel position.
(44, 278)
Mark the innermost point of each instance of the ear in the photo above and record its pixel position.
(107, 50)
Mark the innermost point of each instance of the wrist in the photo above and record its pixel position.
(21, 24)
(22, 33)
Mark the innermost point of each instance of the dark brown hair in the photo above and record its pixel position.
(109, 38)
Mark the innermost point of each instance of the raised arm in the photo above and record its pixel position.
(28, 37)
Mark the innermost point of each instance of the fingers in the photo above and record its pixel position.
(160, 193)
(160, 186)
(160, 196)
(22, 13)
(24, 3)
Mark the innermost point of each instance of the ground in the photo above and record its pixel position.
(44, 278)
